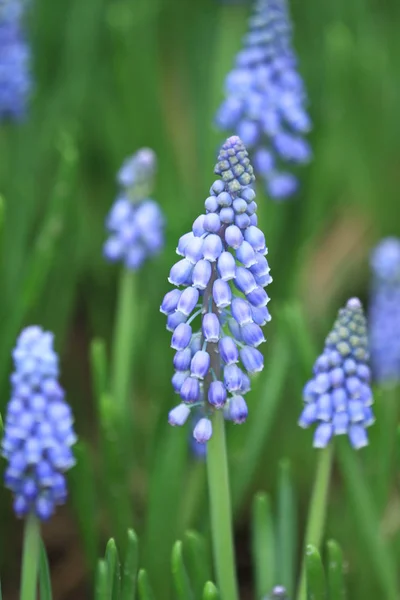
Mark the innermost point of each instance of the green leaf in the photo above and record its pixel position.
(179, 574)
(98, 362)
(84, 498)
(286, 529)
(197, 561)
(145, 591)
(102, 582)
(263, 545)
(113, 568)
(336, 586)
(129, 574)
(316, 588)
(44, 575)
(210, 592)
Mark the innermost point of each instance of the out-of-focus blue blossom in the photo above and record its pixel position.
(15, 79)
(38, 432)
(221, 277)
(278, 593)
(265, 99)
(135, 222)
(338, 398)
(384, 311)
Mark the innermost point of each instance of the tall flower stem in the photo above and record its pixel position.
(124, 336)
(317, 510)
(220, 508)
(30, 558)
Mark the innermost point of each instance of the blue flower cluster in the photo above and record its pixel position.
(265, 99)
(338, 397)
(222, 278)
(39, 428)
(384, 311)
(15, 80)
(135, 223)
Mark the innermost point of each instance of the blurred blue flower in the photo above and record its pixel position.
(223, 273)
(338, 398)
(278, 593)
(38, 432)
(265, 99)
(15, 79)
(384, 311)
(135, 222)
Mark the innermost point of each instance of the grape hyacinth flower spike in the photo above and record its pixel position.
(135, 222)
(265, 100)
(384, 311)
(38, 433)
(220, 281)
(15, 79)
(338, 398)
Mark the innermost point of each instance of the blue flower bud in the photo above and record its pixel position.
(198, 226)
(188, 300)
(200, 364)
(211, 204)
(203, 431)
(232, 378)
(226, 266)
(241, 311)
(245, 281)
(233, 236)
(228, 350)
(212, 223)
(190, 390)
(178, 379)
(194, 250)
(227, 216)
(175, 319)
(260, 315)
(237, 409)
(179, 415)
(212, 247)
(183, 242)
(222, 293)
(252, 334)
(201, 274)
(246, 255)
(180, 272)
(252, 359)
(181, 336)
(211, 327)
(258, 297)
(242, 221)
(224, 199)
(182, 359)
(358, 436)
(170, 302)
(239, 205)
(217, 394)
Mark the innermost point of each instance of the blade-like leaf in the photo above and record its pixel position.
(98, 363)
(210, 592)
(114, 570)
(129, 575)
(145, 591)
(263, 545)
(102, 591)
(316, 588)
(286, 529)
(179, 574)
(197, 561)
(44, 575)
(336, 587)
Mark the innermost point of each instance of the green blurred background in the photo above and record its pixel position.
(110, 77)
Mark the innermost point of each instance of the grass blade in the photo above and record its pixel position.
(263, 545)
(129, 575)
(197, 561)
(286, 527)
(179, 574)
(145, 591)
(44, 575)
(102, 591)
(114, 570)
(210, 592)
(336, 587)
(316, 588)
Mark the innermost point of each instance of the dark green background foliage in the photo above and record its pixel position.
(112, 76)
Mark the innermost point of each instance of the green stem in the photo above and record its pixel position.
(317, 511)
(124, 336)
(30, 558)
(220, 508)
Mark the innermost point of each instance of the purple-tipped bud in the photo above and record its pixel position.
(175, 319)
(246, 255)
(188, 300)
(245, 281)
(241, 311)
(181, 337)
(222, 293)
(252, 334)
(203, 431)
(232, 378)
(201, 274)
(178, 379)
(170, 302)
(233, 236)
(217, 394)
(200, 364)
(180, 272)
(237, 409)
(255, 237)
(358, 436)
(182, 359)
(212, 247)
(226, 266)
(261, 315)
(183, 242)
(322, 435)
(258, 297)
(198, 226)
(194, 250)
(242, 221)
(190, 390)
(252, 359)
(228, 350)
(178, 415)
(211, 327)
